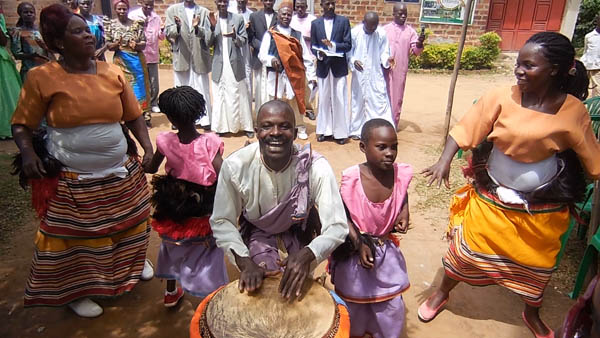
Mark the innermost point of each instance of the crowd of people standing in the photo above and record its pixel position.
(311, 72)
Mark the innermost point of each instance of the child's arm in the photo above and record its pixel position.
(365, 254)
(403, 217)
(152, 166)
(217, 162)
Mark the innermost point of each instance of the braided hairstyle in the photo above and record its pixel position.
(558, 50)
(183, 105)
(20, 9)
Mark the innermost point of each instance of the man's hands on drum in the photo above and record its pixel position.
(252, 274)
(297, 268)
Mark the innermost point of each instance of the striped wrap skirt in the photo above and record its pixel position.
(507, 245)
(92, 238)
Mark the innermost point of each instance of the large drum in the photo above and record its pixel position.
(227, 313)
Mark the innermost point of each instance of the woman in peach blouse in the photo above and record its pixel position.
(88, 185)
(507, 231)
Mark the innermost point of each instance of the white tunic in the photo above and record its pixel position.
(591, 54)
(231, 105)
(369, 95)
(284, 87)
(246, 184)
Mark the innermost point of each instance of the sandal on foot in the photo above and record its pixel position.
(86, 308)
(550, 332)
(427, 314)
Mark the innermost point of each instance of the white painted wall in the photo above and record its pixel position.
(567, 26)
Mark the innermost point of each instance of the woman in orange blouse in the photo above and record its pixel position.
(94, 210)
(504, 235)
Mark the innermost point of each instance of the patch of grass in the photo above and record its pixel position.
(432, 197)
(15, 203)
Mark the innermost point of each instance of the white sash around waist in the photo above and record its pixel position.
(94, 151)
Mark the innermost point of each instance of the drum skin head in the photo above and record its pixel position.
(264, 313)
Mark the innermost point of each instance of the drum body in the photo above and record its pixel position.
(264, 313)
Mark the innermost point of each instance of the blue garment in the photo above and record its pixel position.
(97, 29)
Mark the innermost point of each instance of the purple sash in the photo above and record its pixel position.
(282, 222)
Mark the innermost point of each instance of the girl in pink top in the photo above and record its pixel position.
(369, 271)
(183, 199)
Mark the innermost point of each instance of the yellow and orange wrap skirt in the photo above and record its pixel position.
(496, 243)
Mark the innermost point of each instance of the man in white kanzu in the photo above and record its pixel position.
(331, 40)
(260, 22)
(277, 187)
(231, 98)
(289, 65)
(240, 7)
(370, 52)
(186, 27)
(591, 57)
(301, 22)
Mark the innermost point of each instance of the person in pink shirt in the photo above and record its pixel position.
(183, 199)
(301, 22)
(403, 40)
(369, 270)
(154, 33)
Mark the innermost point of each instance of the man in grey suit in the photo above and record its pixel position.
(187, 26)
(231, 104)
(260, 22)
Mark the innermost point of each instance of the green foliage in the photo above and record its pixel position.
(164, 49)
(585, 21)
(442, 56)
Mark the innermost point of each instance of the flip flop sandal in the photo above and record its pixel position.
(426, 314)
(550, 332)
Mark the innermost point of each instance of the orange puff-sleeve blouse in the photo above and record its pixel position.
(527, 135)
(69, 100)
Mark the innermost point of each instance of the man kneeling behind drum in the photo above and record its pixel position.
(277, 187)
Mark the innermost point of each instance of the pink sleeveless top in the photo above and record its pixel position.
(376, 219)
(190, 162)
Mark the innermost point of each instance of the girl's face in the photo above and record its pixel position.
(27, 13)
(381, 147)
(533, 71)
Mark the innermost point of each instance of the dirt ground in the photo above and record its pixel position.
(471, 311)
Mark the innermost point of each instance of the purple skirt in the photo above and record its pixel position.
(198, 265)
(373, 296)
(386, 280)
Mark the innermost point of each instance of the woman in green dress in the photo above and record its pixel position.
(27, 44)
(10, 82)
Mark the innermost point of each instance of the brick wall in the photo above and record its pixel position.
(353, 9)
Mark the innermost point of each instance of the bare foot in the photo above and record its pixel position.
(532, 316)
(436, 299)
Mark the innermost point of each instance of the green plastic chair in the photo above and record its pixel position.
(585, 208)
(593, 107)
(591, 250)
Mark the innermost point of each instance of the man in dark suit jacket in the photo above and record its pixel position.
(330, 34)
(256, 31)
